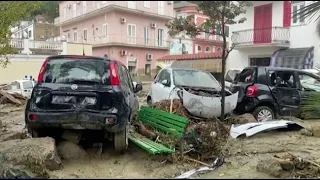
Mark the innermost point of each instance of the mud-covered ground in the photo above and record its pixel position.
(241, 161)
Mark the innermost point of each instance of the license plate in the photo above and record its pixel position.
(63, 99)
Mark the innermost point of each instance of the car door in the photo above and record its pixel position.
(124, 82)
(133, 100)
(159, 91)
(284, 88)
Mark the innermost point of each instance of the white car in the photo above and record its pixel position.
(196, 84)
(23, 87)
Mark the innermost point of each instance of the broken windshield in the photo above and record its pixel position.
(77, 71)
(194, 78)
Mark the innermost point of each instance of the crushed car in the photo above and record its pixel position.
(199, 90)
(269, 92)
(83, 93)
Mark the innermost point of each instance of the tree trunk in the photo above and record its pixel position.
(224, 58)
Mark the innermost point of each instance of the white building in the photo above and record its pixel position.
(24, 30)
(270, 36)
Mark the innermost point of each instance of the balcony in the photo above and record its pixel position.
(275, 36)
(120, 40)
(94, 10)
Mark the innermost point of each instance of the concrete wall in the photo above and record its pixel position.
(77, 49)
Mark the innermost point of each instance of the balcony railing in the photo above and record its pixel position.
(17, 43)
(274, 35)
(45, 45)
(130, 41)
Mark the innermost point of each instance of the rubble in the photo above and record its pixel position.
(71, 151)
(243, 119)
(204, 137)
(15, 98)
(289, 166)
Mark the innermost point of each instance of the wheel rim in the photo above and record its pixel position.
(264, 115)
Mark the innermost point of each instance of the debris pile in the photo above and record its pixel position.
(204, 138)
(310, 106)
(15, 98)
(289, 166)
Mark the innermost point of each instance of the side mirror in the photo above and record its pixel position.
(165, 82)
(138, 88)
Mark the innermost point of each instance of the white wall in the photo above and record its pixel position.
(19, 33)
(176, 46)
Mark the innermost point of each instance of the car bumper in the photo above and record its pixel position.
(72, 120)
(247, 105)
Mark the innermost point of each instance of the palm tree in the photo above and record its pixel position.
(311, 11)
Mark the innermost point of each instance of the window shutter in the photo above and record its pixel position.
(286, 13)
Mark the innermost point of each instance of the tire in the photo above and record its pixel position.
(263, 111)
(149, 101)
(121, 141)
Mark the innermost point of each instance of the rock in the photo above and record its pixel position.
(71, 151)
(286, 165)
(0, 124)
(306, 132)
(73, 136)
(36, 155)
(315, 129)
(244, 118)
(270, 166)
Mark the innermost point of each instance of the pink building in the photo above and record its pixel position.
(132, 32)
(203, 43)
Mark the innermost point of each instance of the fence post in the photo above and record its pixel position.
(26, 49)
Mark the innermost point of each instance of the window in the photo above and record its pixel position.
(105, 33)
(84, 5)
(160, 37)
(29, 34)
(264, 61)
(64, 12)
(146, 36)
(27, 85)
(132, 5)
(74, 9)
(208, 49)
(231, 75)
(131, 34)
(164, 75)
(282, 79)
(75, 37)
(296, 6)
(147, 4)
(147, 69)
(199, 49)
(123, 77)
(85, 35)
(246, 76)
(309, 83)
(161, 7)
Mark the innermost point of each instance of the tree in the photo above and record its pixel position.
(220, 13)
(312, 10)
(49, 9)
(11, 13)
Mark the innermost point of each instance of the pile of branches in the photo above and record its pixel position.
(310, 106)
(204, 138)
(15, 98)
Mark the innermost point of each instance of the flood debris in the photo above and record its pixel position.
(204, 138)
(289, 166)
(251, 129)
(14, 98)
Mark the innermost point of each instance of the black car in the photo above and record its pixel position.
(83, 93)
(267, 92)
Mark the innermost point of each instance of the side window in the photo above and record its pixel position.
(309, 83)
(129, 79)
(164, 75)
(123, 77)
(282, 79)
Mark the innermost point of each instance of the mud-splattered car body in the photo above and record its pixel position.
(82, 92)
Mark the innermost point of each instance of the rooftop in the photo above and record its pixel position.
(191, 57)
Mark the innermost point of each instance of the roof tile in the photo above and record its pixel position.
(191, 56)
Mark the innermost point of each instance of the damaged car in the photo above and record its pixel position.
(83, 93)
(269, 92)
(199, 90)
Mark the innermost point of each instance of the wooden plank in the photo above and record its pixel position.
(164, 128)
(164, 119)
(144, 117)
(166, 114)
(10, 97)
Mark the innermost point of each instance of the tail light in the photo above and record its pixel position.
(252, 91)
(114, 78)
(42, 71)
(33, 117)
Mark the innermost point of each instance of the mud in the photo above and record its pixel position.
(242, 155)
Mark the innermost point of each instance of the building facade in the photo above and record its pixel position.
(274, 36)
(132, 32)
(39, 29)
(203, 43)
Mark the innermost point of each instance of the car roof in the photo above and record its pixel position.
(275, 68)
(183, 69)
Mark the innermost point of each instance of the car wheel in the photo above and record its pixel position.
(33, 133)
(149, 102)
(121, 141)
(263, 113)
